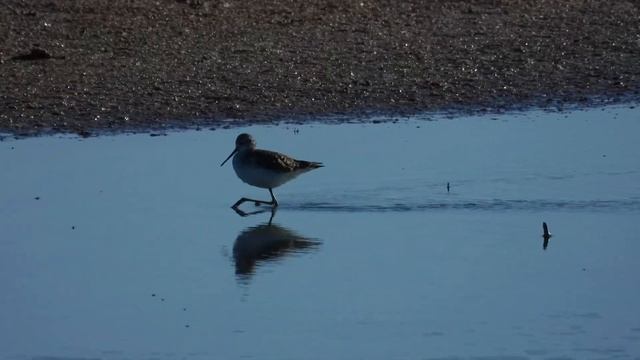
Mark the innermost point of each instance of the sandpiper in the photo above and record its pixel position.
(263, 168)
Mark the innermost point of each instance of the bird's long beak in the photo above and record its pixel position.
(229, 157)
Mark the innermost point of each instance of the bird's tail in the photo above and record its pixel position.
(309, 165)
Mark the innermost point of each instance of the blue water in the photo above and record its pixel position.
(124, 247)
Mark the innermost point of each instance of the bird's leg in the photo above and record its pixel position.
(274, 202)
(257, 202)
(245, 214)
(240, 212)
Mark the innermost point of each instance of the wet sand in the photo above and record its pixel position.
(96, 65)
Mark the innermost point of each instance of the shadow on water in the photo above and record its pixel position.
(267, 243)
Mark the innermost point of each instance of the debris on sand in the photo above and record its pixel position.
(34, 54)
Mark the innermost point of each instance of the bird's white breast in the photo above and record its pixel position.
(252, 174)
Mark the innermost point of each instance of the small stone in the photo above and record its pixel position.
(84, 133)
(34, 54)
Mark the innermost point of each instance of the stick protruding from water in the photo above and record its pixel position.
(546, 235)
(545, 230)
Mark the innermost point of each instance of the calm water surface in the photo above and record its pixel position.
(124, 247)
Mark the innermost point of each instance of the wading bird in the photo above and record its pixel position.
(263, 168)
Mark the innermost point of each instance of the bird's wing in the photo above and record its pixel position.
(280, 162)
(274, 161)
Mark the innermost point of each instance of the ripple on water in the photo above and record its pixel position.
(631, 205)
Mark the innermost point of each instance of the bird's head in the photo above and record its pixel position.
(244, 141)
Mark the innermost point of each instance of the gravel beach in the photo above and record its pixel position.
(96, 66)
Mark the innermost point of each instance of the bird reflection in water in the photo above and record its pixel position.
(266, 243)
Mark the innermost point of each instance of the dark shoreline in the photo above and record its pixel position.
(167, 127)
(130, 66)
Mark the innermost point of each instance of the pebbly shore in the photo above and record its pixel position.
(97, 66)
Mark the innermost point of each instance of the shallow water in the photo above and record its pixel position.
(124, 247)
